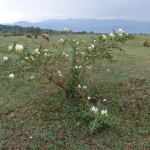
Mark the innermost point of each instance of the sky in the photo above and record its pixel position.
(38, 10)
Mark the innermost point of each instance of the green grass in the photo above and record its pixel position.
(34, 114)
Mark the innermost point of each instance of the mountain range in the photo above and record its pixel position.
(95, 25)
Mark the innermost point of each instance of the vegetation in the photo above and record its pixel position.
(36, 114)
(8, 30)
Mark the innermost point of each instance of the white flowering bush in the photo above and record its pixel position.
(100, 117)
(68, 70)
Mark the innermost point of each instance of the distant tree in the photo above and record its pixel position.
(50, 31)
(37, 30)
(19, 29)
(31, 30)
(1, 28)
(91, 32)
(83, 32)
(27, 29)
(4, 31)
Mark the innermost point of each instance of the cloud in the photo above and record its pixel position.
(37, 10)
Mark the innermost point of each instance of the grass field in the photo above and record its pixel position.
(34, 114)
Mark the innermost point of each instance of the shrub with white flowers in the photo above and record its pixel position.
(79, 62)
(100, 118)
(68, 71)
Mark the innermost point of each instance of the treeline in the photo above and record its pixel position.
(7, 30)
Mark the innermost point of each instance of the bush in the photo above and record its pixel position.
(144, 44)
(148, 44)
(7, 34)
(69, 71)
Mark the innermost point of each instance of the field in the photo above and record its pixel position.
(35, 114)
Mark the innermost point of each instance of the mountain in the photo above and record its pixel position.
(95, 25)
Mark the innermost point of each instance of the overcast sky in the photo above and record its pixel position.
(38, 10)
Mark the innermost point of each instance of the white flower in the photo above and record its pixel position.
(63, 53)
(89, 98)
(32, 57)
(120, 31)
(10, 47)
(61, 40)
(104, 112)
(107, 69)
(67, 55)
(82, 53)
(19, 47)
(94, 109)
(104, 100)
(77, 42)
(46, 50)
(104, 36)
(79, 86)
(11, 76)
(66, 29)
(84, 87)
(92, 45)
(32, 77)
(26, 57)
(80, 66)
(111, 34)
(89, 47)
(60, 75)
(88, 67)
(76, 67)
(5, 58)
(31, 137)
(36, 50)
(120, 34)
(94, 40)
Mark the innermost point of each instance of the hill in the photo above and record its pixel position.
(95, 25)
